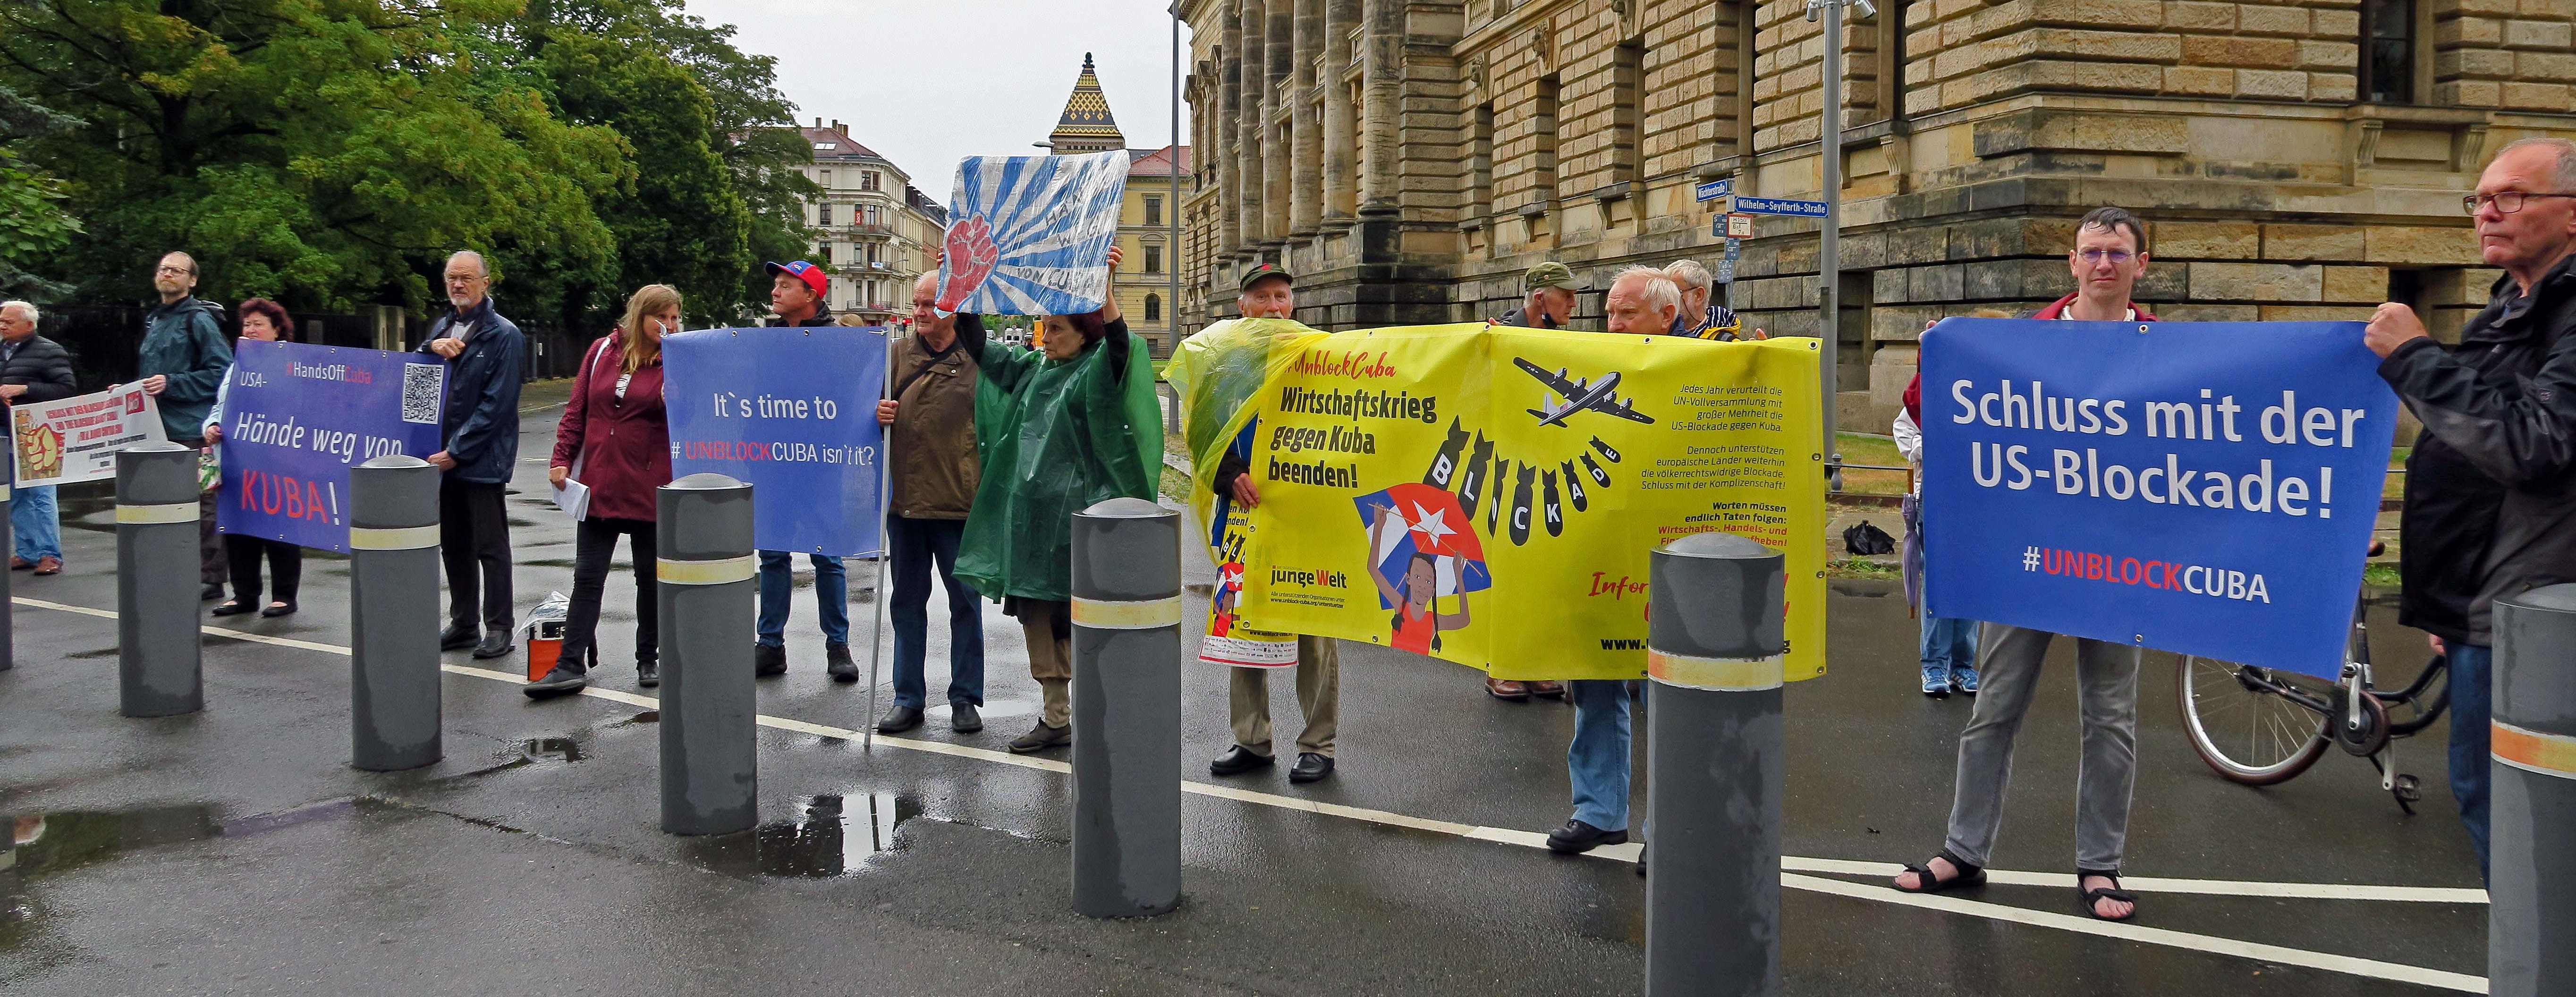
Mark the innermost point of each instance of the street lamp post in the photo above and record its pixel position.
(1829, 250)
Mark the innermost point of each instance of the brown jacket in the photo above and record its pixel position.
(933, 437)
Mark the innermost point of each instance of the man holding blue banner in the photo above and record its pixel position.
(2109, 255)
(2489, 510)
(479, 450)
(796, 295)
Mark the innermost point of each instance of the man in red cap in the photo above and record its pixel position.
(796, 293)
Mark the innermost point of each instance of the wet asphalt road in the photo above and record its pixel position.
(234, 851)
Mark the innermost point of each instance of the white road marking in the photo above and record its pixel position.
(1792, 866)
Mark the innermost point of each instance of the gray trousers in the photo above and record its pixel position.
(2106, 676)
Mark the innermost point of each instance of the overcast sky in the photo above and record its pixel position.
(928, 82)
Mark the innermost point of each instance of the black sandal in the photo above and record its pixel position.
(235, 607)
(2097, 894)
(1926, 881)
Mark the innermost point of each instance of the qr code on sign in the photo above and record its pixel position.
(422, 384)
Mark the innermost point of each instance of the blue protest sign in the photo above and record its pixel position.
(296, 417)
(793, 412)
(1779, 206)
(2201, 487)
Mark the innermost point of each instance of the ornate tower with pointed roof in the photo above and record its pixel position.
(1086, 125)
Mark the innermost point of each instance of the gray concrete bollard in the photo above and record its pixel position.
(1715, 635)
(158, 667)
(8, 543)
(2531, 916)
(710, 762)
(1126, 709)
(394, 695)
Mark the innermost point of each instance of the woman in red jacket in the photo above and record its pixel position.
(615, 438)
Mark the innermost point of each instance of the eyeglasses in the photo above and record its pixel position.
(180, 271)
(2506, 201)
(2115, 256)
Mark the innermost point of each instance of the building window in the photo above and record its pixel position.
(1627, 84)
(2387, 51)
(873, 217)
(822, 214)
(1480, 162)
(1153, 302)
(1153, 211)
(823, 177)
(1153, 259)
(1543, 129)
(1745, 53)
(868, 180)
(825, 251)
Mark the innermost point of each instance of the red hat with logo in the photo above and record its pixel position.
(812, 275)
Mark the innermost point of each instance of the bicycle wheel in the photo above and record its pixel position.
(2245, 730)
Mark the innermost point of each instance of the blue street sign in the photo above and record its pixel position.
(1780, 206)
(1713, 190)
(1726, 270)
(1734, 250)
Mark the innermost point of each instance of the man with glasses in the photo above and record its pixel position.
(183, 359)
(2110, 253)
(479, 436)
(2491, 484)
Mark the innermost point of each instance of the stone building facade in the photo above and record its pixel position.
(873, 232)
(1142, 284)
(2296, 159)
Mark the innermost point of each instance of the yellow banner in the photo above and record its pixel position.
(1489, 495)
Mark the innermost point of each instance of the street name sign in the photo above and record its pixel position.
(1712, 190)
(1780, 206)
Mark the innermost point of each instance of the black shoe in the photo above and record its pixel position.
(899, 719)
(1310, 767)
(843, 669)
(1641, 860)
(210, 593)
(1041, 737)
(233, 608)
(964, 719)
(281, 609)
(561, 680)
(456, 637)
(767, 661)
(1577, 837)
(494, 646)
(648, 674)
(1238, 760)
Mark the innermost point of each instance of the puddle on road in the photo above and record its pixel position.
(646, 717)
(551, 749)
(832, 835)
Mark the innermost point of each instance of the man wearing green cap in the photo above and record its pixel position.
(1548, 303)
(1549, 298)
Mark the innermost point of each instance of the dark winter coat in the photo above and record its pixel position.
(2491, 485)
(480, 427)
(184, 341)
(43, 366)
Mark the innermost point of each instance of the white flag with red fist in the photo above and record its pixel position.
(1030, 235)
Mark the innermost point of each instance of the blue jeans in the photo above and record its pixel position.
(917, 545)
(1948, 645)
(32, 518)
(831, 597)
(1597, 762)
(2471, 669)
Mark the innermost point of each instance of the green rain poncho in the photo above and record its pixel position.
(1055, 437)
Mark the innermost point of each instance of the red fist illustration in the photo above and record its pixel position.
(970, 255)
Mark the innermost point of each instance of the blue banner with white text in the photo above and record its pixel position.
(2206, 488)
(793, 412)
(297, 416)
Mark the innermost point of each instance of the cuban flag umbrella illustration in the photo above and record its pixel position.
(1031, 234)
(1426, 519)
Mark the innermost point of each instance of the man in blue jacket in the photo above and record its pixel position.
(183, 359)
(479, 438)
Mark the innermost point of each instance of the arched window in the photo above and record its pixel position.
(1153, 308)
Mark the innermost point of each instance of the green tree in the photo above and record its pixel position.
(328, 152)
(32, 221)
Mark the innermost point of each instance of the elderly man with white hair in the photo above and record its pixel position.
(486, 358)
(1699, 319)
(32, 369)
(1642, 301)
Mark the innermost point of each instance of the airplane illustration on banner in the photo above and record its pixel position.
(1579, 395)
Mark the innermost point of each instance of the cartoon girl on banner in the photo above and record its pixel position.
(1432, 553)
